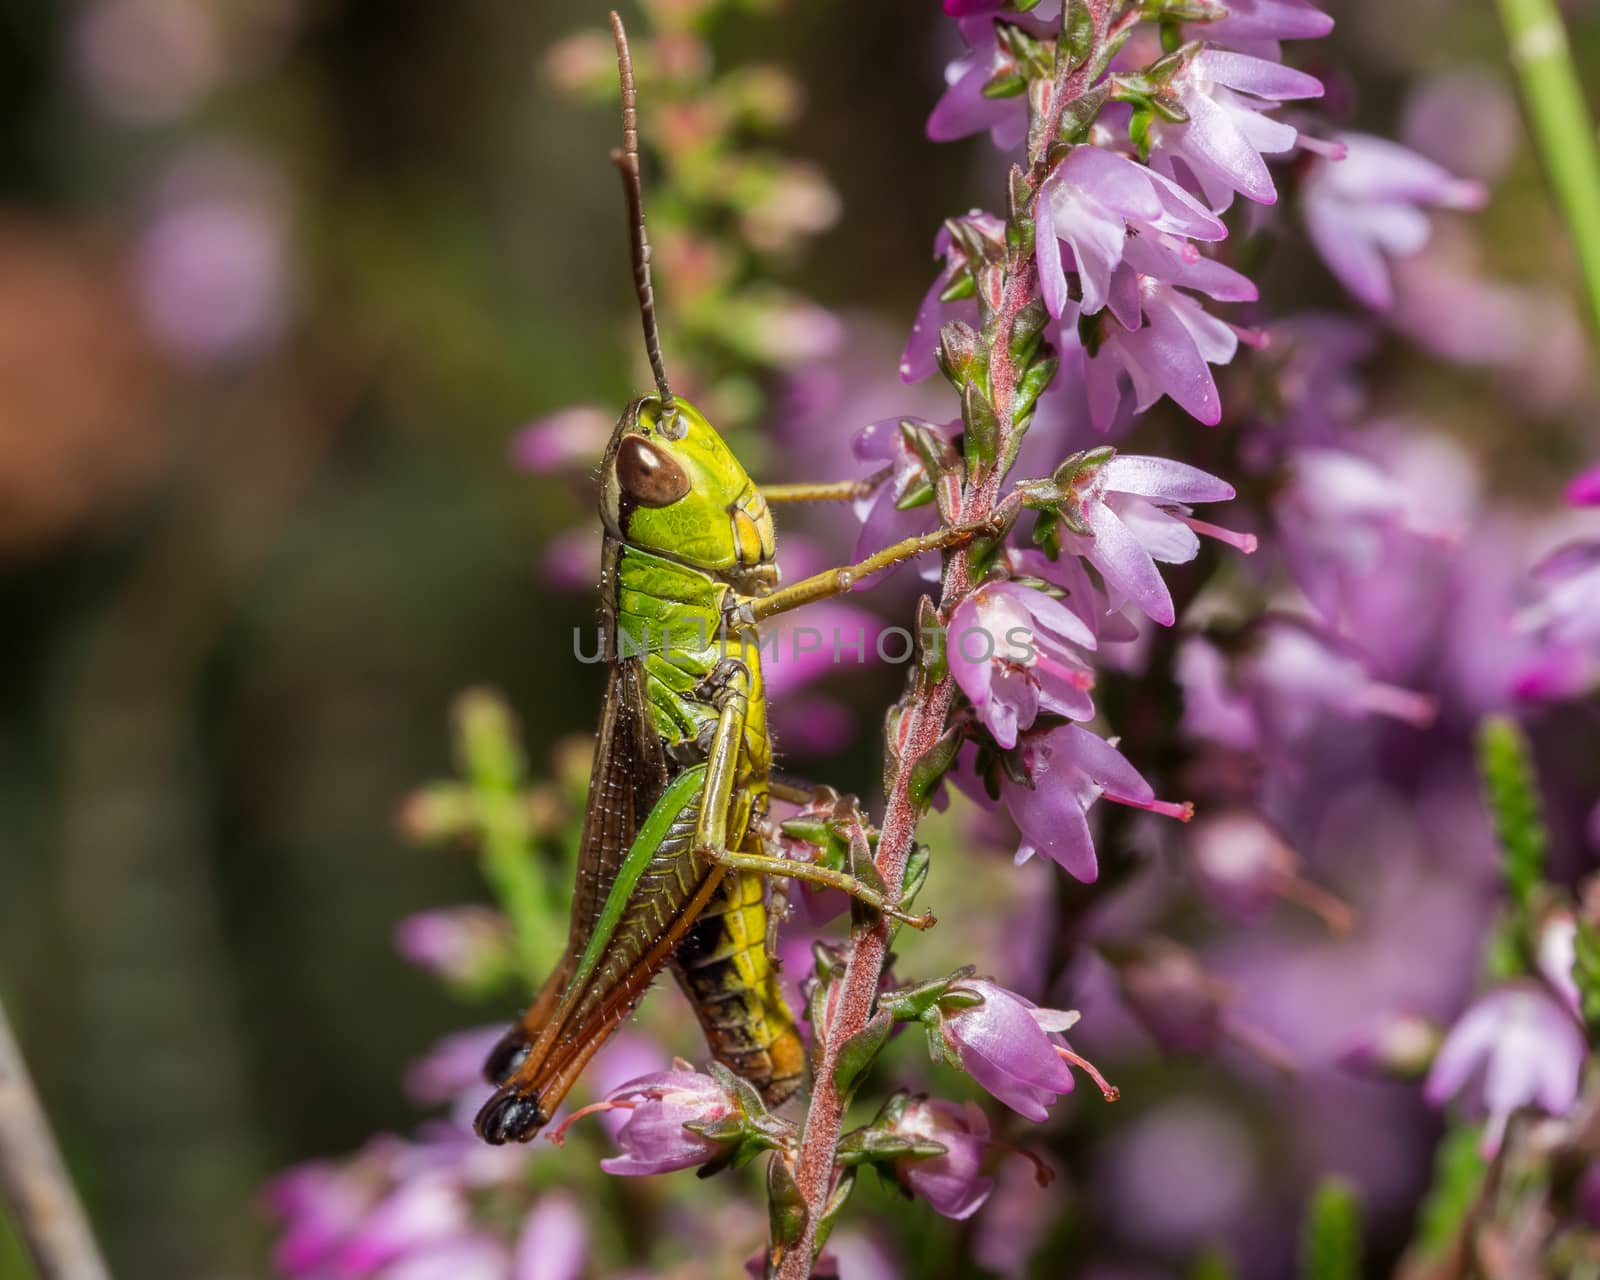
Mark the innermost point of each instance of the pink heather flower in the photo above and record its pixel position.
(1171, 352)
(1010, 1046)
(320, 1204)
(571, 559)
(1395, 1046)
(882, 521)
(963, 109)
(1082, 594)
(420, 1213)
(1222, 143)
(453, 1066)
(1558, 954)
(216, 266)
(654, 1139)
(1526, 1049)
(1366, 207)
(554, 1242)
(1286, 678)
(1564, 622)
(1011, 651)
(1068, 769)
(460, 944)
(1093, 200)
(469, 1257)
(1339, 518)
(920, 358)
(1136, 509)
(1244, 867)
(1256, 26)
(568, 439)
(1585, 490)
(953, 1184)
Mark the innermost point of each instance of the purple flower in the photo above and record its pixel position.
(1011, 1047)
(883, 519)
(467, 1257)
(1136, 510)
(1244, 867)
(1256, 26)
(464, 945)
(1339, 517)
(1558, 954)
(1366, 206)
(567, 439)
(554, 1242)
(1011, 651)
(453, 1066)
(1564, 622)
(920, 359)
(1527, 1049)
(1068, 769)
(320, 1204)
(1395, 1046)
(1170, 352)
(1092, 200)
(419, 1213)
(1285, 678)
(1222, 143)
(216, 266)
(963, 109)
(953, 1184)
(654, 1139)
(1584, 491)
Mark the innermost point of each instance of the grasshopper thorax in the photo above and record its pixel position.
(670, 485)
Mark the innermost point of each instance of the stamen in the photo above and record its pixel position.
(1183, 812)
(1323, 147)
(558, 1135)
(1245, 542)
(1399, 704)
(1333, 910)
(1043, 1174)
(1077, 677)
(1108, 1091)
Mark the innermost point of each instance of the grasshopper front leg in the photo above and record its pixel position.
(832, 582)
(711, 832)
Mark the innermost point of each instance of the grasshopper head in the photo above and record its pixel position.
(669, 484)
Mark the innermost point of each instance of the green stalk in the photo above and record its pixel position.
(1561, 127)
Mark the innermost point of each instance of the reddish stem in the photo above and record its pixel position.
(924, 718)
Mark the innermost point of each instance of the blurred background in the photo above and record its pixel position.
(280, 280)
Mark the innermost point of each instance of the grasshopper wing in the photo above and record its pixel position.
(628, 777)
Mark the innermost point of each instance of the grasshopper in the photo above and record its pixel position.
(673, 856)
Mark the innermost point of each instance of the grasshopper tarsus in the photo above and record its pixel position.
(508, 1054)
(510, 1117)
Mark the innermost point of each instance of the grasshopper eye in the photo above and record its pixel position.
(649, 475)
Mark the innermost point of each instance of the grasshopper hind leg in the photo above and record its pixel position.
(726, 969)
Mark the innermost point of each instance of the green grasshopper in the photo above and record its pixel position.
(673, 855)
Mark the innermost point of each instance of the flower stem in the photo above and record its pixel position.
(924, 711)
(33, 1182)
(1561, 125)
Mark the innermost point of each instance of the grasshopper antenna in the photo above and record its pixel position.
(627, 162)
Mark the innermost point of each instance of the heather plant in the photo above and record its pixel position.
(1194, 688)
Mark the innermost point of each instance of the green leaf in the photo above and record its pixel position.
(1330, 1240)
(1586, 971)
(786, 1207)
(1458, 1172)
(931, 766)
(1213, 1264)
(861, 1050)
(1505, 762)
(983, 426)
